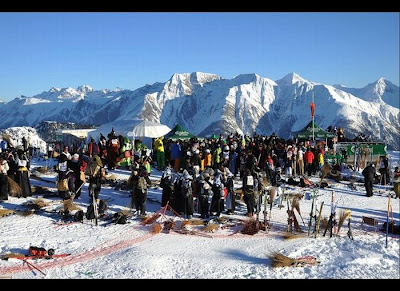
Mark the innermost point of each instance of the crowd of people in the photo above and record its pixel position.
(203, 168)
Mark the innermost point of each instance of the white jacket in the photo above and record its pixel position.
(4, 167)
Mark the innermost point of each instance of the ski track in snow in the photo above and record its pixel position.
(132, 251)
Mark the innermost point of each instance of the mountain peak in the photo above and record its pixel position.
(292, 78)
(202, 78)
(54, 90)
(84, 89)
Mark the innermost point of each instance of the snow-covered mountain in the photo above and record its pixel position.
(379, 91)
(206, 103)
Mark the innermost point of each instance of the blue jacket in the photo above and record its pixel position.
(176, 151)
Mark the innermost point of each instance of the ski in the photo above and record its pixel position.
(311, 213)
(30, 257)
(318, 220)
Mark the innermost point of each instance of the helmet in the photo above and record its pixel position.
(207, 151)
(189, 153)
(197, 151)
(226, 148)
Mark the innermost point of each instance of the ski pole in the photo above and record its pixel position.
(387, 220)
(33, 266)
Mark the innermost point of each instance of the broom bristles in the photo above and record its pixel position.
(193, 222)
(324, 222)
(169, 224)
(296, 204)
(272, 194)
(250, 227)
(279, 260)
(290, 236)
(156, 228)
(11, 255)
(69, 206)
(343, 215)
(5, 212)
(13, 188)
(210, 227)
(325, 170)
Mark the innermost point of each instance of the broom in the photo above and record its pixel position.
(13, 188)
(324, 222)
(11, 255)
(279, 260)
(69, 206)
(37, 203)
(325, 171)
(250, 227)
(210, 227)
(5, 212)
(156, 228)
(290, 236)
(168, 225)
(272, 194)
(343, 215)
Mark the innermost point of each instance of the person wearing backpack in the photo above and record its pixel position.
(167, 185)
(79, 167)
(187, 194)
(95, 171)
(140, 182)
(250, 191)
(66, 178)
(113, 147)
(217, 201)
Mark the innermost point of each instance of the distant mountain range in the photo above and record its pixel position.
(206, 103)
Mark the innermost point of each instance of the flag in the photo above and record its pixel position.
(312, 105)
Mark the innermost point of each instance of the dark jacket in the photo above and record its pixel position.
(369, 173)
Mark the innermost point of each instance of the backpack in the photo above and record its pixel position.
(93, 167)
(102, 206)
(142, 184)
(119, 218)
(250, 182)
(90, 212)
(78, 216)
(186, 187)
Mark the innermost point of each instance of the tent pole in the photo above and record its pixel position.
(313, 138)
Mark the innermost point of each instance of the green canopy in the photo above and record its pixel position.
(307, 132)
(178, 132)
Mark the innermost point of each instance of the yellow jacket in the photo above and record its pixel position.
(159, 145)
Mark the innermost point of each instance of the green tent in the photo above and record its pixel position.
(307, 132)
(178, 132)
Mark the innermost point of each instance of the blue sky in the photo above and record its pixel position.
(128, 50)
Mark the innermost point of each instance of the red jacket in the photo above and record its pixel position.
(309, 157)
(93, 149)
